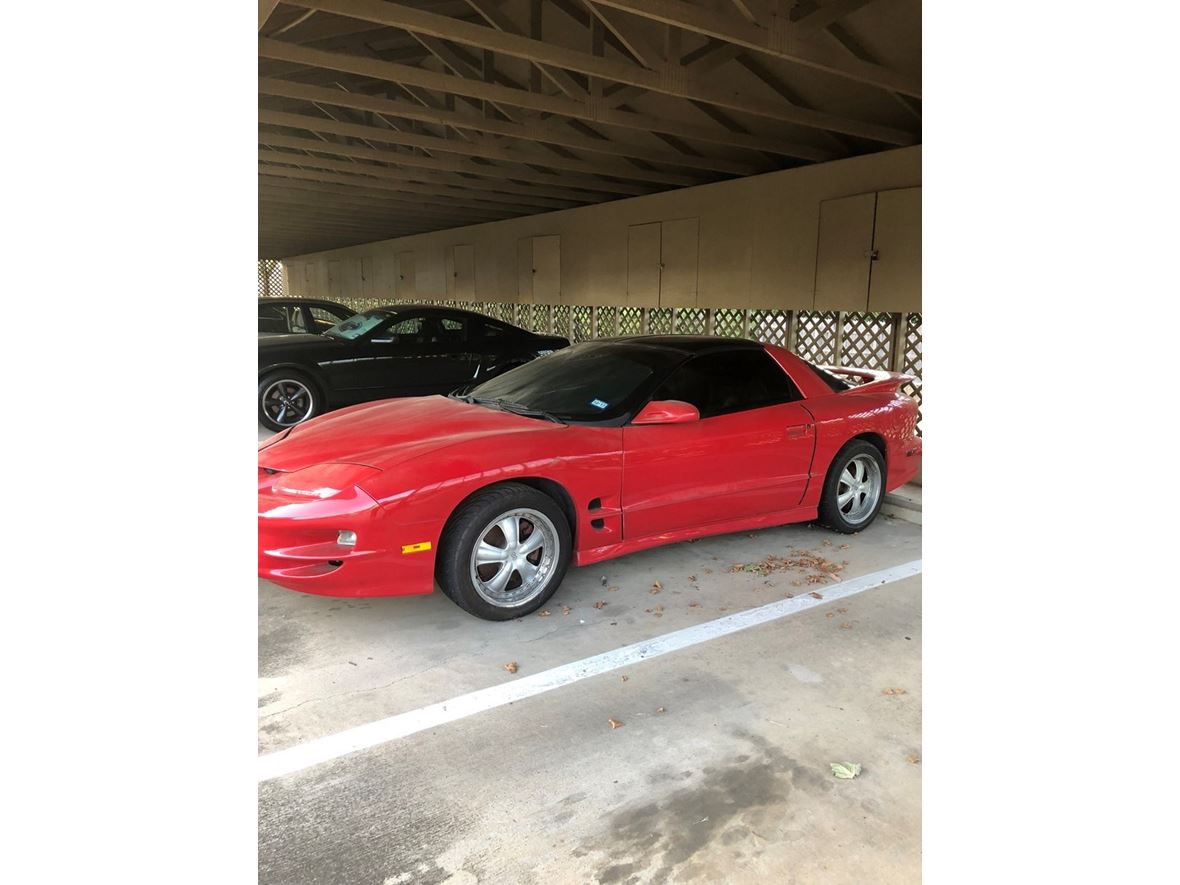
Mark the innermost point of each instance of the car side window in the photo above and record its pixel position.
(403, 330)
(324, 319)
(453, 329)
(730, 381)
(489, 329)
(271, 318)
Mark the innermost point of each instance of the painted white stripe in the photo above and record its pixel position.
(382, 731)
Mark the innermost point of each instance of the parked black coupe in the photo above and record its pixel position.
(403, 350)
(285, 316)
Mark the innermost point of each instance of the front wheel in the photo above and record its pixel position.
(854, 488)
(504, 552)
(285, 398)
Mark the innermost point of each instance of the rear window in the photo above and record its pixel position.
(828, 378)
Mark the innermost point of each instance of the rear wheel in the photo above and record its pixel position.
(854, 488)
(504, 552)
(285, 398)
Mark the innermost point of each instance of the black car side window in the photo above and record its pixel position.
(730, 381)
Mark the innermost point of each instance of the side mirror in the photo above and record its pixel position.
(667, 411)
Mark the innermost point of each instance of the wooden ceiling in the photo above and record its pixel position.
(381, 119)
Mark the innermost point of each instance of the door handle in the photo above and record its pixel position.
(799, 431)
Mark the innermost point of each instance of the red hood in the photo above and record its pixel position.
(388, 432)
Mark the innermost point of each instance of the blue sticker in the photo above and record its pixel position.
(598, 404)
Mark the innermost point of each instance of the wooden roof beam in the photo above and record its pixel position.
(553, 104)
(667, 82)
(528, 132)
(780, 40)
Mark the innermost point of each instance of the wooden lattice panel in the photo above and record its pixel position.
(659, 321)
(912, 361)
(580, 323)
(816, 336)
(540, 319)
(770, 326)
(270, 279)
(630, 320)
(867, 341)
(691, 321)
(728, 322)
(561, 320)
(607, 316)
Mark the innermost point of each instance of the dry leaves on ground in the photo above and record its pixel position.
(845, 626)
(661, 710)
(565, 609)
(612, 589)
(615, 723)
(813, 568)
(511, 668)
(816, 595)
(892, 691)
(544, 614)
(694, 605)
(656, 588)
(913, 760)
(600, 604)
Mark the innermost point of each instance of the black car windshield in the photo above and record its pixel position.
(356, 326)
(593, 381)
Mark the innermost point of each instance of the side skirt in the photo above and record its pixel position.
(779, 517)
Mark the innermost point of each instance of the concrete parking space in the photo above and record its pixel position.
(719, 771)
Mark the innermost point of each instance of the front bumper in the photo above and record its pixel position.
(297, 547)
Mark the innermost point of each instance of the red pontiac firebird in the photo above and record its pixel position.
(592, 452)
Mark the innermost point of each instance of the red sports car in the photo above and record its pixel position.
(593, 452)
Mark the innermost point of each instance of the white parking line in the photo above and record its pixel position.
(333, 746)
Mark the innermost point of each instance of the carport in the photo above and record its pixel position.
(595, 168)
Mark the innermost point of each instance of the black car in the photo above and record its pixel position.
(403, 350)
(285, 316)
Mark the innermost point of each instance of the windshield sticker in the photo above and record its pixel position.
(598, 404)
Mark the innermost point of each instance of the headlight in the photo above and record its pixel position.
(322, 480)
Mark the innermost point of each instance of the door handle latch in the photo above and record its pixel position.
(799, 431)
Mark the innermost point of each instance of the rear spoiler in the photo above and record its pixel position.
(872, 380)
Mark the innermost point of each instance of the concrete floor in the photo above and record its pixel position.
(730, 783)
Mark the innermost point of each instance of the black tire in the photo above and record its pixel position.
(831, 513)
(292, 381)
(473, 521)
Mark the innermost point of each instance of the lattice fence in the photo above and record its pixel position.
(270, 279)
(889, 341)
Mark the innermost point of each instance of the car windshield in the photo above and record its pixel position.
(593, 381)
(356, 326)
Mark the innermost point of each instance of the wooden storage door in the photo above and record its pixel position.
(843, 258)
(679, 243)
(406, 280)
(643, 265)
(896, 282)
(461, 272)
(547, 270)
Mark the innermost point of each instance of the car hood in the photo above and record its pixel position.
(388, 432)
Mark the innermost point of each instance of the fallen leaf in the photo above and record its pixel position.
(660, 710)
(692, 578)
(511, 668)
(600, 604)
(846, 770)
(816, 595)
(830, 615)
(827, 543)
(708, 571)
(894, 691)
(656, 587)
(913, 760)
(615, 723)
(843, 547)
(841, 610)
(611, 589)
(624, 678)
(846, 626)
(544, 614)
(565, 609)
(694, 605)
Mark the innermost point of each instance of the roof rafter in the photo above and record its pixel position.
(670, 81)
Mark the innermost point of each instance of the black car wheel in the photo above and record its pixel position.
(504, 552)
(854, 488)
(285, 398)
